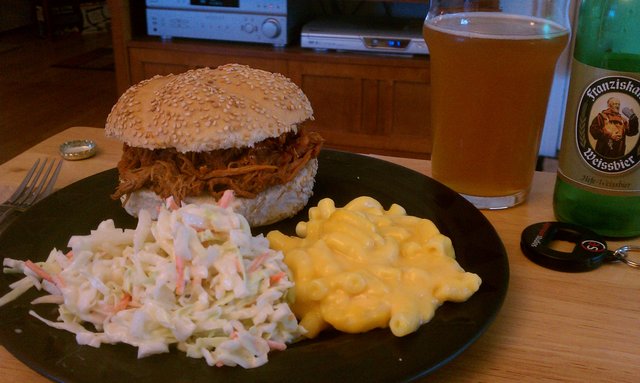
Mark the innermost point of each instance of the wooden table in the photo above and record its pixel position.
(553, 326)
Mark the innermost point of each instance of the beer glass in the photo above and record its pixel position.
(492, 66)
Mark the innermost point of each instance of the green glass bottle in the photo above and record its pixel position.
(598, 183)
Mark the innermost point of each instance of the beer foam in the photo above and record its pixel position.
(496, 25)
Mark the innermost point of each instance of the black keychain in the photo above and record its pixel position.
(589, 253)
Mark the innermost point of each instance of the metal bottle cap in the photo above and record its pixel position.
(77, 149)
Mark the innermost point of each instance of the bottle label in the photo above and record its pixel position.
(601, 146)
(606, 122)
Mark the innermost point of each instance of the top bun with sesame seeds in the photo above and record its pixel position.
(207, 109)
(194, 135)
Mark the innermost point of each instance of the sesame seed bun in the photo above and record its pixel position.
(272, 205)
(208, 109)
(193, 135)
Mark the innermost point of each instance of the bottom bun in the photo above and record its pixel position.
(272, 205)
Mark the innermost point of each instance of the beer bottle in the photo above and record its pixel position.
(598, 184)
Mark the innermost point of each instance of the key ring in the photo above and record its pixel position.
(589, 253)
(622, 255)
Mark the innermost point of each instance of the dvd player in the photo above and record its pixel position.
(375, 35)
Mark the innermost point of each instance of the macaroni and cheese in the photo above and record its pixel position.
(361, 267)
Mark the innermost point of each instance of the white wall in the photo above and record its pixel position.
(552, 132)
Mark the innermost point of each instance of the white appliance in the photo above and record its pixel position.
(374, 35)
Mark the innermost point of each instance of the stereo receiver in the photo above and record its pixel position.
(273, 22)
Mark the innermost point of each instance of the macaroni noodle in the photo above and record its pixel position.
(360, 267)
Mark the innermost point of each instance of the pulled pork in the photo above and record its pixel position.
(247, 171)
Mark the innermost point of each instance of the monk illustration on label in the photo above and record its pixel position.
(610, 129)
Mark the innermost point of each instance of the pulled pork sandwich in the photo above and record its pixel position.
(194, 135)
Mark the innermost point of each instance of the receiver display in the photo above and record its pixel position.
(217, 3)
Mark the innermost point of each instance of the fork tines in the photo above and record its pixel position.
(38, 183)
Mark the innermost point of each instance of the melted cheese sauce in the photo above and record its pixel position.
(361, 267)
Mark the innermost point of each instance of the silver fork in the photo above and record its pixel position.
(38, 183)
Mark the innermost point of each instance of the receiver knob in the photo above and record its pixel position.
(271, 28)
(249, 28)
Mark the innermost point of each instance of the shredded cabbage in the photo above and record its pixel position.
(195, 278)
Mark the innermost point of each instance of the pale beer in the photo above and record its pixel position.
(491, 76)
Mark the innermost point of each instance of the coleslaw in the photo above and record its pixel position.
(195, 278)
